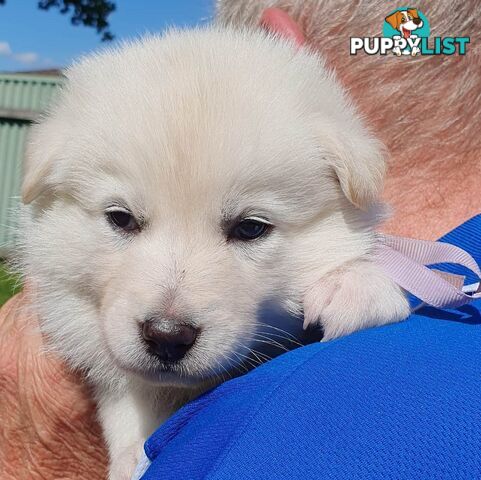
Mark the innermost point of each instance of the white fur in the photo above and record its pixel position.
(189, 129)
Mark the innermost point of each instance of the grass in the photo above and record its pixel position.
(9, 284)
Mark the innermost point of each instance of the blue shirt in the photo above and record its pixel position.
(401, 401)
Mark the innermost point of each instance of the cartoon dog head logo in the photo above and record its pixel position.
(405, 21)
(408, 24)
(405, 31)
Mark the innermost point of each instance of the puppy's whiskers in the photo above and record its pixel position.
(282, 333)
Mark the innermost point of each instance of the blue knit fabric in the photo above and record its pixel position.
(396, 402)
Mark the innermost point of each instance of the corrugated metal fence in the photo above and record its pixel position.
(22, 98)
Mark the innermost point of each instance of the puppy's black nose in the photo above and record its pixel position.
(416, 21)
(169, 340)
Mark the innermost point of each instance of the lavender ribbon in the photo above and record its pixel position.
(405, 260)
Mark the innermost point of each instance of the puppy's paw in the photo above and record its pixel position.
(356, 296)
(123, 464)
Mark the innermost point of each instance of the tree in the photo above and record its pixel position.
(91, 13)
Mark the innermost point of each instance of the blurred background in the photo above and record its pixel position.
(37, 40)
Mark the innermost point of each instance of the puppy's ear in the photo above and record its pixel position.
(394, 20)
(413, 12)
(38, 169)
(35, 181)
(358, 161)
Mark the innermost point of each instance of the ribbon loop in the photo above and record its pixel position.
(405, 260)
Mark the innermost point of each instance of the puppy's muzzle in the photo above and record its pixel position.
(168, 340)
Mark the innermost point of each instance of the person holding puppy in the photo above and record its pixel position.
(83, 430)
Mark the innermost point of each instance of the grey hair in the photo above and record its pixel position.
(424, 108)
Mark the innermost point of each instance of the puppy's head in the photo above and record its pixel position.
(183, 183)
(405, 21)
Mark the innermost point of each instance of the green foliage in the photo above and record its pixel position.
(91, 13)
(9, 284)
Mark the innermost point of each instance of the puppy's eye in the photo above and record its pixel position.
(122, 219)
(250, 229)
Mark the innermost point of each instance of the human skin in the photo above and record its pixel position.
(47, 417)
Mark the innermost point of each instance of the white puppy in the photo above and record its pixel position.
(177, 185)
